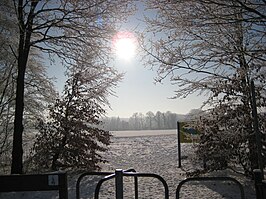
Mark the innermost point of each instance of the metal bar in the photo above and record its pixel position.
(151, 175)
(210, 179)
(119, 183)
(135, 183)
(99, 184)
(129, 172)
(178, 144)
(88, 174)
(136, 187)
(108, 176)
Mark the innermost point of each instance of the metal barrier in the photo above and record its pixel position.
(88, 174)
(118, 175)
(39, 182)
(210, 179)
(108, 176)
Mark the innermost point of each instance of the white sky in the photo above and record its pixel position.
(137, 92)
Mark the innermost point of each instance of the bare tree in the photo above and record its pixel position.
(150, 117)
(61, 29)
(204, 46)
(214, 48)
(39, 90)
(158, 119)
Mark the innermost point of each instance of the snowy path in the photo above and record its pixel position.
(150, 154)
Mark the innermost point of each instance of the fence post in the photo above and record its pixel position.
(136, 187)
(258, 184)
(63, 189)
(178, 144)
(119, 183)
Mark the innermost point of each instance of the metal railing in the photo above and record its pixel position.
(148, 175)
(118, 175)
(108, 176)
(88, 174)
(242, 194)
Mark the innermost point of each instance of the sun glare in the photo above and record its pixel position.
(124, 44)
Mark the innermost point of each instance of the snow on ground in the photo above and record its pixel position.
(150, 154)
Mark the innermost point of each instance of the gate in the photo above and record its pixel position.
(118, 175)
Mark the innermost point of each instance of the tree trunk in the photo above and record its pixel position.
(17, 151)
(54, 165)
(54, 161)
(25, 31)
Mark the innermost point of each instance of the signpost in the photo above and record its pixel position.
(178, 144)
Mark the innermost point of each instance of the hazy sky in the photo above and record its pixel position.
(137, 92)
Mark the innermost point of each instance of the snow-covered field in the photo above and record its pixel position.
(150, 153)
(144, 133)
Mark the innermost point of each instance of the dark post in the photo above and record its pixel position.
(136, 187)
(256, 127)
(258, 184)
(178, 144)
(119, 183)
(63, 189)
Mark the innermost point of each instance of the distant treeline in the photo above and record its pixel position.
(149, 121)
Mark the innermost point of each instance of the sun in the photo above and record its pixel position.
(124, 45)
